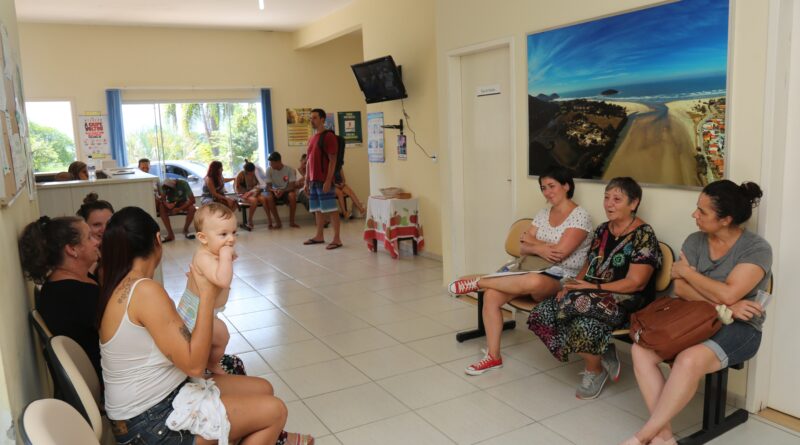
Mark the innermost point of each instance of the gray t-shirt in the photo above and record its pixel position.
(749, 248)
(280, 179)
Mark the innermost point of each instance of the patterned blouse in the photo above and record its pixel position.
(610, 258)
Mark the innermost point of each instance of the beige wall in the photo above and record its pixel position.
(20, 378)
(405, 30)
(79, 63)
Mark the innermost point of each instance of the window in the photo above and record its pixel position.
(52, 135)
(201, 132)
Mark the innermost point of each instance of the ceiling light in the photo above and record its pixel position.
(261, 4)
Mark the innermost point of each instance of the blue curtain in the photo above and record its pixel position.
(266, 120)
(118, 151)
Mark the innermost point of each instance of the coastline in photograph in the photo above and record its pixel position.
(607, 98)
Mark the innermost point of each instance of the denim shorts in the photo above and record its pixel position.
(150, 427)
(734, 343)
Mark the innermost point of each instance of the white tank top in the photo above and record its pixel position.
(136, 374)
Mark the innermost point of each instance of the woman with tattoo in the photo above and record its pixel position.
(147, 353)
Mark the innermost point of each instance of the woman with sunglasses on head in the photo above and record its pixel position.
(722, 264)
(558, 233)
(616, 280)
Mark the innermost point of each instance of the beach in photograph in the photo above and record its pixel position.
(657, 147)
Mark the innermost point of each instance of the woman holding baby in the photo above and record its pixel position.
(148, 354)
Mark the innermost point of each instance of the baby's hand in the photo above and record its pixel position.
(227, 253)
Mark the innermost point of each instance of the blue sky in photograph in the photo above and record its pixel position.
(683, 40)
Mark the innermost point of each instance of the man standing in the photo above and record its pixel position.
(322, 151)
(280, 188)
(176, 197)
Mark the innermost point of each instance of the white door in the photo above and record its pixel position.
(784, 394)
(486, 138)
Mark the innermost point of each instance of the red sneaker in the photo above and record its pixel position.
(463, 286)
(488, 363)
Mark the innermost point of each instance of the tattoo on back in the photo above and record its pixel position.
(187, 335)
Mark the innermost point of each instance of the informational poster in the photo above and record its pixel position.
(330, 122)
(375, 151)
(298, 126)
(402, 154)
(93, 133)
(15, 159)
(350, 127)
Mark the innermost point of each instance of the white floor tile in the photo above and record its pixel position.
(445, 348)
(333, 324)
(302, 420)
(257, 320)
(247, 305)
(440, 303)
(758, 432)
(390, 361)
(277, 335)
(290, 298)
(534, 434)
(589, 424)
(254, 364)
(404, 429)
(570, 375)
(426, 387)
(237, 344)
(390, 313)
(352, 407)
(298, 354)
(355, 342)
(414, 329)
(535, 354)
(473, 418)
(538, 396)
(322, 378)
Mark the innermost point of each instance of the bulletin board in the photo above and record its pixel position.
(15, 150)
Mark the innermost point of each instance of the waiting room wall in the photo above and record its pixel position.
(78, 63)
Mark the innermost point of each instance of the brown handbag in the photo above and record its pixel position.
(670, 325)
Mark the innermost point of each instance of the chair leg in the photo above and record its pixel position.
(480, 331)
(715, 423)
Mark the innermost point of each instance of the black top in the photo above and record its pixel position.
(69, 307)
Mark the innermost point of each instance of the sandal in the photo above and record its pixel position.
(189, 235)
(167, 240)
(332, 246)
(287, 438)
(311, 241)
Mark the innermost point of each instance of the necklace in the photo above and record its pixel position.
(616, 237)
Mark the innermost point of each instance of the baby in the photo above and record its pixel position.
(212, 268)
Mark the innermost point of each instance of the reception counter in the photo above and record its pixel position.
(121, 190)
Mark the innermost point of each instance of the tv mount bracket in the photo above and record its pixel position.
(395, 127)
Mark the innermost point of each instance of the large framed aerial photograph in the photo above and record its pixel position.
(641, 94)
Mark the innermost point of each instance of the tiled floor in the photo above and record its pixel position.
(362, 349)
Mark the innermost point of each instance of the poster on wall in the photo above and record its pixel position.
(298, 126)
(93, 133)
(613, 97)
(402, 154)
(375, 151)
(350, 127)
(330, 121)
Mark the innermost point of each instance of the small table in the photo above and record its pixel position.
(391, 221)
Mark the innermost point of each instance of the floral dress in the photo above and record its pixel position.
(583, 320)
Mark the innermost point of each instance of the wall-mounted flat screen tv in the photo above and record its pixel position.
(380, 80)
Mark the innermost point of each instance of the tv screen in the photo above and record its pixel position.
(380, 80)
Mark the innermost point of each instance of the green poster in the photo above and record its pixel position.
(350, 127)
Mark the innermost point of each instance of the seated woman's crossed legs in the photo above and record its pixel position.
(498, 292)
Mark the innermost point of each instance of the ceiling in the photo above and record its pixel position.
(278, 15)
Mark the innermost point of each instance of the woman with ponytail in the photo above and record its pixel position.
(58, 254)
(722, 264)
